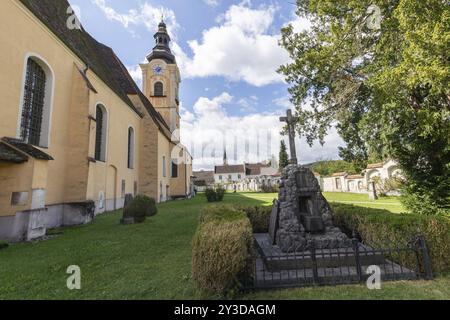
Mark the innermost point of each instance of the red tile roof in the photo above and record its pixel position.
(339, 174)
(230, 169)
(375, 165)
(254, 169)
(356, 176)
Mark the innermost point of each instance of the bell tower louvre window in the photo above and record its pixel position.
(159, 89)
(33, 103)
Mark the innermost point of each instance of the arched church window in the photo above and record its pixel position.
(159, 89)
(100, 134)
(35, 117)
(130, 148)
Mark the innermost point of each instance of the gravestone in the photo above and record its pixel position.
(373, 191)
(273, 227)
(128, 198)
(302, 214)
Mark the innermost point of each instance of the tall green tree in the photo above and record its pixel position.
(284, 158)
(378, 70)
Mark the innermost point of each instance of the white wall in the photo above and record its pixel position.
(226, 179)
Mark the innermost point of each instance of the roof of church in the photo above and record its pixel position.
(230, 169)
(54, 15)
(203, 177)
(254, 169)
(127, 83)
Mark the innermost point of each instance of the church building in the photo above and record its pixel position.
(77, 134)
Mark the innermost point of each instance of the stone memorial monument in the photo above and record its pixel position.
(302, 214)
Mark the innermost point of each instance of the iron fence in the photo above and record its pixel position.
(319, 267)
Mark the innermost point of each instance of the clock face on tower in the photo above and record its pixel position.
(157, 69)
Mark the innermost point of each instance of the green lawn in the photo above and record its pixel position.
(389, 203)
(149, 261)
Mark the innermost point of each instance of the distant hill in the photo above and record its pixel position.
(328, 167)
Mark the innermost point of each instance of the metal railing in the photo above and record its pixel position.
(319, 267)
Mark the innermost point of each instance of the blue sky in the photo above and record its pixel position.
(228, 54)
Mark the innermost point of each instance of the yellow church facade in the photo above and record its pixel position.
(76, 132)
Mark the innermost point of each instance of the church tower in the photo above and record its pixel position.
(225, 157)
(161, 79)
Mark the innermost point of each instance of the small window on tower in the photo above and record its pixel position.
(159, 89)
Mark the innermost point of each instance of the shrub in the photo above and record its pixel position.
(3, 245)
(270, 189)
(215, 195)
(220, 193)
(259, 217)
(140, 208)
(383, 228)
(221, 248)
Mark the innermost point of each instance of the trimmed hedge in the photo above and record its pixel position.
(383, 228)
(259, 217)
(379, 228)
(140, 208)
(222, 246)
(3, 245)
(215, 195)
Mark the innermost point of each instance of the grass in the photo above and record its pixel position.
(150, 261)
(389, 203)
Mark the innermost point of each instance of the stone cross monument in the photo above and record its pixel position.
(291, 120)
(302, 214)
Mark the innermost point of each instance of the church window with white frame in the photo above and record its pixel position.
(100, 134)
(36, 103)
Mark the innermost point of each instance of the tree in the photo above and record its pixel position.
(284, 158)
(327, 167)
(385, 87)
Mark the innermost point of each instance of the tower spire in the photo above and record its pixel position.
(162, 47)
(225, 158)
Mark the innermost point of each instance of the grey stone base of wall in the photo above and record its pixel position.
(33, 224)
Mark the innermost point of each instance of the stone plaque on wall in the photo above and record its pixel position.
(19, 198)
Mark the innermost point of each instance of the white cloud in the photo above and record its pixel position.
(146, 15)
(283, 102)
(300, 24)
(248, 104)
(250, 138)
(211, 3)
(241, 47)
(136, 74)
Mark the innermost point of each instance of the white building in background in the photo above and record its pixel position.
(343, 182)
(203, 180)
(246, 177)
